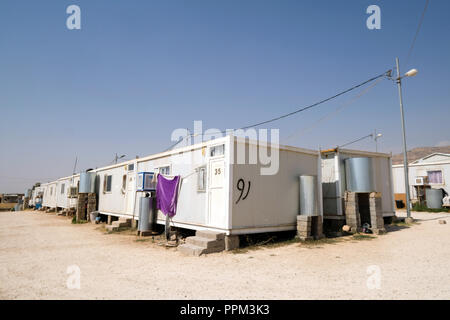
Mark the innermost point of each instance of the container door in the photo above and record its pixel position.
(216, 196)
(130, 194)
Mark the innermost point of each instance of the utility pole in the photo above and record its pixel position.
(117, 158)
(405, 156)
(376, 136)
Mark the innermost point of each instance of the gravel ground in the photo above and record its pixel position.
(36, 250)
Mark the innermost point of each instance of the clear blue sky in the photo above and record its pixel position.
(139, 69)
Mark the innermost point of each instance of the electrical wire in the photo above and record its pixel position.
(315, 104)
(384, 74)
(336, 111)
(354, 141)
(417, 31)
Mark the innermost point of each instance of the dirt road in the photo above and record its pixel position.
(37, 250)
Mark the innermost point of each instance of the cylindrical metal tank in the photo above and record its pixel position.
(87, 182)
(434, 198)
(359, 175)
(308, 195)
(146, 214)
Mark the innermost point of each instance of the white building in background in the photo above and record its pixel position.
(432, 171)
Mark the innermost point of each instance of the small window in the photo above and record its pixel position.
(107, 183)
(165, 170)
(51, 191)
(62, 188)
(217, 150)
(435, 177)
(131, 167)
(201, 179)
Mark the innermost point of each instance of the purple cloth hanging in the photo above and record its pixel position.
(167, 194)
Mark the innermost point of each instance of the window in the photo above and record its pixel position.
(131, 167)
(217, 150)
(435, 177)
(62, 188)
(73, 192)
(51, 191)
(201, 179)
(107, 183)
(165, 170)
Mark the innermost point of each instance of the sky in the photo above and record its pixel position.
(137, 70)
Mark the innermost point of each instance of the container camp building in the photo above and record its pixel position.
(216, 193)
(225, 188)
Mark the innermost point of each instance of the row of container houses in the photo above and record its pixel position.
(223, 191)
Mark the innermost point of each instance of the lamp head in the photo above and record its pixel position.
(411, 73)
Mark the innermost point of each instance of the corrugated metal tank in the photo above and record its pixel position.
(434, 198)
(359, 175)
(145, 214)
(87, 182)
(308, 195)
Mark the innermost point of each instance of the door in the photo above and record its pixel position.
(216, 193)
(130, 192)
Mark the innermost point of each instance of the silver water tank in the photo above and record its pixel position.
(359, 175)
(434, 198)
(87, 182)
(308, 195)
(146, 214)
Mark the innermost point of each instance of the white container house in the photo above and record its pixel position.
(432, 171)
(38, 192)
(66, 192)
(334, 179)
(217, 193)
(50, 197)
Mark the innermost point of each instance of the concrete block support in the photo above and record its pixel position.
(91, 204)
(376, 213)
(81, 206)
(353, 217)
(231, 242)
(309, 227)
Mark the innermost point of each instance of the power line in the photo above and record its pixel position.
(384, 74)
(417, 31)
(337, 110)
(354, 141)
(317, 103)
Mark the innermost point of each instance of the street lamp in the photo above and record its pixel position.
(117, 157)
(410, 73)
(376, 136)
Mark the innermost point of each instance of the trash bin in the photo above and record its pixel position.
(93, 216)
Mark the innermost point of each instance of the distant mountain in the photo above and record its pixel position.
(418, 153)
